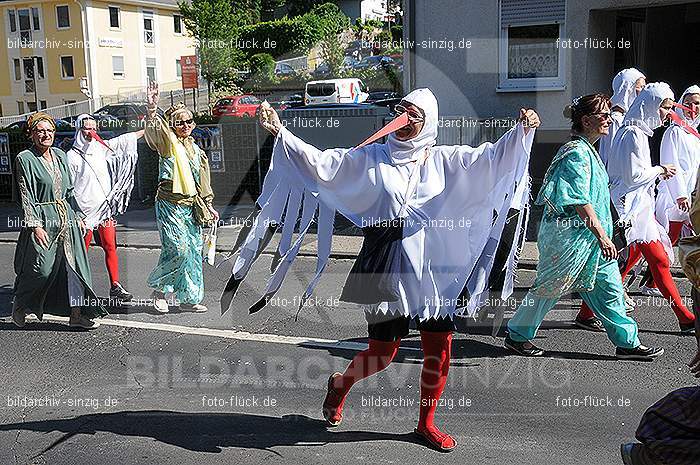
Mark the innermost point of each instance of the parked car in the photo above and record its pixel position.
(133, 115)
(349, 90)
(322, 71)
(284, 69)
(61, 126)
(236, 105)
(375, 62)
(290, 101)
(379, 95)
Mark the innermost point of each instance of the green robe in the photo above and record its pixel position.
(41, 285)
(569, 253)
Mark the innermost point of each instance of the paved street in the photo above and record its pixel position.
(204, 389)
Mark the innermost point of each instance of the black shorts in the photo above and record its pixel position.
(389, 328)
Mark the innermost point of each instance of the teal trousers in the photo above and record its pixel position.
(606, 300)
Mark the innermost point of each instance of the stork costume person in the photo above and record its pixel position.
(632, 181)
(103, 178)
(413, 265)
(624, 92)
(680, 148)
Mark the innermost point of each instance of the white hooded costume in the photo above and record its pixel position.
(103, 178)
(632, 176)
(624, 93)
(454, 206)
(682, 149)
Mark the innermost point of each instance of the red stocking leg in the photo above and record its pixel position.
(368, 362)
(436, 365)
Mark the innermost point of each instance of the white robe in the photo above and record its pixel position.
(103, 179)
(632, 176)
(624, 92)
(682, 149)
(450, 234)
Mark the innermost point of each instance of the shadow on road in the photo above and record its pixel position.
(206, 432)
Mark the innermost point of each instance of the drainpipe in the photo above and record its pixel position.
(87, 43)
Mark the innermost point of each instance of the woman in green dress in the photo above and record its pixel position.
(576, 253)
(53, 273)
(183, 206)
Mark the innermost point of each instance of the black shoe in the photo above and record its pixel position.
(638, 353)
(688, 329)
(592, 324)
(626, 450)
(117, 292)
(520, 349)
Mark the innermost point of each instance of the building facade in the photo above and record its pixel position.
(60, 52)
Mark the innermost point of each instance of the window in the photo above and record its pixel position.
(31, 106)
(42, 104)
(68, 102)
(114, 17)
(29, 86)
(62, 17)
(25, 26)
(67, 67)
(178, 68)
(18, 69)
(20, 107)
(28, 64)
(39, 67)
(151, 69)
(118, 67)
(148, 27)
(177, 24)
(0, 109)
(35, 18)
(13, 20)
(530, 56)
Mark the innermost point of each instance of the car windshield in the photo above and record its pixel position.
(320, 90)
(224, 101)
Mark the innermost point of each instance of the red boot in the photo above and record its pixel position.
(436, 365)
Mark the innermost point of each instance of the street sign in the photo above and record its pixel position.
(5, 167)
(208, 137)
(188, 64)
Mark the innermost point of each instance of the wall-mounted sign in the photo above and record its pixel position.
(110, 42)
(208, 137)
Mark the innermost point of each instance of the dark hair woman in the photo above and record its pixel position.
(53, 274)
(576, 253)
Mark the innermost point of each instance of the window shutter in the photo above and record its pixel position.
(527, 12)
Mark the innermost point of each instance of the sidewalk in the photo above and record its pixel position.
(137, 229)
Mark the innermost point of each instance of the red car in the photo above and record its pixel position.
(239, 105)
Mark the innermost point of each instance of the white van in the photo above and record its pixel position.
(349, 90)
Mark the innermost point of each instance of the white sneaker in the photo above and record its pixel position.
(629, 303)
(650, 291)
(159, 302)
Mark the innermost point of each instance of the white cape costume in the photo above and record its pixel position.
(624, 93)
(682, 149)
(455, 209)
(103, 178)
(632, 176)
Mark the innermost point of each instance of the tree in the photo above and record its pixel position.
(268, 7)
(300, 7)
(215, 26)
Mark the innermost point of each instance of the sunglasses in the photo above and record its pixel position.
(604, 114)
(413, 117)
(184, 122)
(41, 132)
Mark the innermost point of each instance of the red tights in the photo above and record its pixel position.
(108, 240)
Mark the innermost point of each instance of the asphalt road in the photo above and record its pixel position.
(206, 389)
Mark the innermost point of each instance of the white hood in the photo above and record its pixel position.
(623, 86)
(691, 122)
(644, 112)
(405, 151)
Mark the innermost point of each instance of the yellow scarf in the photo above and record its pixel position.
(183, 180)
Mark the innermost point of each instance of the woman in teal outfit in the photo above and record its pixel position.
(575, 250)
(183, 206)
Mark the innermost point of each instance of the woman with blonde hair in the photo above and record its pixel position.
(183, 205)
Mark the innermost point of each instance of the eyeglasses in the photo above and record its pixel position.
(413, 117)
(42, 132)
(184, 122)
(604, 114)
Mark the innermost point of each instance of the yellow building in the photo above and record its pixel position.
(82, 48)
